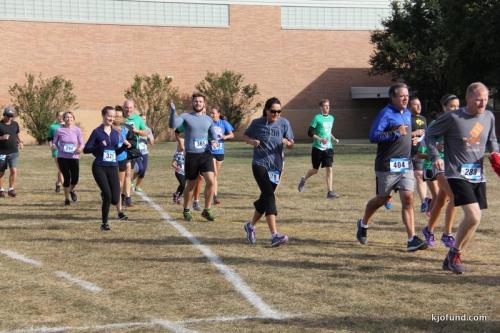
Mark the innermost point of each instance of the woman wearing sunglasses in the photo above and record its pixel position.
(268, 135)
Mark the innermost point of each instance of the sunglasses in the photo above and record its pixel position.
(275, 111)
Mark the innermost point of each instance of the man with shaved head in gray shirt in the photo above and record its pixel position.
(467, 132)
(197, 125)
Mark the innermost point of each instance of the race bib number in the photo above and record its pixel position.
(69, 148)
(471, 171)
(200, 143)
(143, 147)
(400, 165)
(3, 157)
(274, 177)
(109, 156)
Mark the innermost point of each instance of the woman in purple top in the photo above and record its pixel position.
(68, 142)
(104, 145)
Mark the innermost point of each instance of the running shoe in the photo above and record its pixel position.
(175, 196)
(216, 200)
(121, 195)
(58, 188)
(416, 244)
(332, 195)
(122, 216)
(208, 214)
(67, 202)
(73, 196)
(453, 262)
(426, 205)
(429, 237)
(362, 233)
(250, 230)
(278, 240)
(388, 203)
(429, 202)
(2, 194)
(302, 184)
(105, 227)
(187, 215)
(128, 202)
(448, 241)
(12, 193)
(138, 189)
(196, 205)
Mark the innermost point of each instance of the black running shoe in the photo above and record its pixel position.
(361, 234)
(416, 244)
(67, 202)
(122, 217)
(105, 227)
(73, 196)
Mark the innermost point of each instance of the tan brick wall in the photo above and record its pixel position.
(297, 66)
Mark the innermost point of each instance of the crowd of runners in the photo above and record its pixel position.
(442, 161)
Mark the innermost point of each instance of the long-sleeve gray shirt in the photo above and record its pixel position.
(466, 138)
(196, 129)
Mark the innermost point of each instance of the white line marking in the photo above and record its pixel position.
(82, 283)
(230, 275)
(20, 257)
(82, 328)
(172, 326)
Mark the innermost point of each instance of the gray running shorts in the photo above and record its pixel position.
(390, 181)
(9, 160)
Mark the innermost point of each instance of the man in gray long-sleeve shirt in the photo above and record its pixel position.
(467, 132)
(197, 125)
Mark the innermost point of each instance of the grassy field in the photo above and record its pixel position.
(146, 274)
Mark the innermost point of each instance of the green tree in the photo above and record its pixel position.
(227, 91)
(412, 47)
(38, 100)
(152, 95)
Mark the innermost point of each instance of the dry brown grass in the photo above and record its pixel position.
(324, 278)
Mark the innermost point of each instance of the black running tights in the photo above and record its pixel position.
(266, 202)
(109, 183)
(70, 169)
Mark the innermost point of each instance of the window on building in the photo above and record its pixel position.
(327, 18)
(134, 12)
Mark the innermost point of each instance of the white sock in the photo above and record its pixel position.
(11, 188)
(363, 225)
(411, 238)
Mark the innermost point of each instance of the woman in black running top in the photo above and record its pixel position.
(104, 145)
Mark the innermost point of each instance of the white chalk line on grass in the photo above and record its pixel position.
(82, 283)
(174, 326)
(230, 275)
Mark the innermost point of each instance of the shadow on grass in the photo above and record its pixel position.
(364, 324)
(37, 216)
(446, 278)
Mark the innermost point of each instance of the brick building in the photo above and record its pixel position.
(298, 51)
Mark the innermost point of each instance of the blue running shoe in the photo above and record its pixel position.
(279, 240)
(250, 230)
(388, 203)
(448, 240)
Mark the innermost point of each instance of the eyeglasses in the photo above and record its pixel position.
(275, 111)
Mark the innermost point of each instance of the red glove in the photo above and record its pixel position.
(495, 162)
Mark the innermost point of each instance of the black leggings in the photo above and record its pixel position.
(70, 169)
(182, 183)
(266, 202)
(108, 181)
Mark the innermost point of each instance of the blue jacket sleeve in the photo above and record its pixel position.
(90, 145)
(380, 131)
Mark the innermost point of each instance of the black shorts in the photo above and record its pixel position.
(466, 193)
(197, 163)
(429, 175)
(122, 165)
(218, 157)
(321, 157)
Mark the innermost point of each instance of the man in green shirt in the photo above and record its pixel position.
(322, 149)
(50, 136)
(136, 124)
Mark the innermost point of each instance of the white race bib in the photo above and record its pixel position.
(69, 148)
(472, 171)
(200, 143)
(3, 157)
(143, 147)
(274, 177)
(109, 155)
(399, 165)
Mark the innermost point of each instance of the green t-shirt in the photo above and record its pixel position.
(136, 122)
(51, 133)
(427, 162)
(323, 128)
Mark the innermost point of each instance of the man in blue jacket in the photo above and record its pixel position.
(391, 131)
